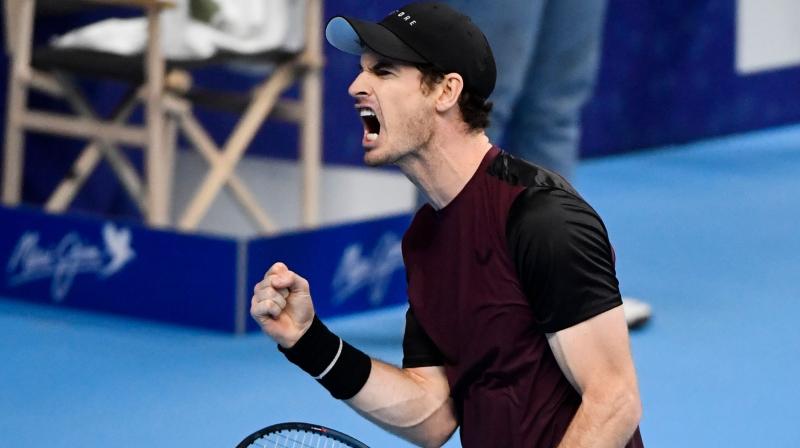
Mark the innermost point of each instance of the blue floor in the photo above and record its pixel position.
(707, 233)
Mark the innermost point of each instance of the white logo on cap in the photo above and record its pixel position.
(405, 16)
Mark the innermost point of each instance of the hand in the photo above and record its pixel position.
(282, 305)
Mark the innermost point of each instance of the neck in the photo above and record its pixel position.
(443, 167)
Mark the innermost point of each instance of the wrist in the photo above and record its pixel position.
(337, 365)
(289, 342)
(313, 350)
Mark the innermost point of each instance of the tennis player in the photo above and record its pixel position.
(515, 331)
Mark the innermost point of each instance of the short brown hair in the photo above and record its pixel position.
(474, 109)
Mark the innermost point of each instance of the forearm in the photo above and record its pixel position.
(411, 403)
(602, 422)
(595, 356)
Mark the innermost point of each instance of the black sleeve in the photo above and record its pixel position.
(563, 257)
(418, 349)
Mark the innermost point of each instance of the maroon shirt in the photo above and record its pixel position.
(517, 254)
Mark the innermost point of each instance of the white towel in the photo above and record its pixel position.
(239, 26)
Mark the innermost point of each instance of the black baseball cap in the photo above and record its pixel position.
(422, 33)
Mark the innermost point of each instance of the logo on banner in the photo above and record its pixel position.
(373, 271)
(60, 263)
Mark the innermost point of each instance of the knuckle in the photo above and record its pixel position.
(277, 266)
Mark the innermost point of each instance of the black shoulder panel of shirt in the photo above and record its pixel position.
(516, 171)
(559, 246)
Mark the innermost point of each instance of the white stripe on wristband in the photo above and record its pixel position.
(330, 366)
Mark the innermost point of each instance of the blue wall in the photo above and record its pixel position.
(668, 76)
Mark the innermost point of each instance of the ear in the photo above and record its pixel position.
(450, 89)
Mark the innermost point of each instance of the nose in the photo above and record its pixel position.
(358, 87)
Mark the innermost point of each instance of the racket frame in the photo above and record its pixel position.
(303, 427)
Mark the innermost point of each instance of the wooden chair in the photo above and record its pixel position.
(166, 91)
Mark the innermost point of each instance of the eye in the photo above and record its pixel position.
(383, 69)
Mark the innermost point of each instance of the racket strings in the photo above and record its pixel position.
(296, 439)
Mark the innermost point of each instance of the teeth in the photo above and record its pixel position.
(371, 137)
(366, 113)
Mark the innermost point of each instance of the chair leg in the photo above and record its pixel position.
(203, 143)
(157, 172)
(311, 123)
(68, 188)
(311, 146)
(265, 98)
(93, 153)
(14, 157)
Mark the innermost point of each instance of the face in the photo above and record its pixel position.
(396, 113)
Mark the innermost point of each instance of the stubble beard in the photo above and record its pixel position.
(412, 138)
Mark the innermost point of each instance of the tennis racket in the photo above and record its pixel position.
(299, 435)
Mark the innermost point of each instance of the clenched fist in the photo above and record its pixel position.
(282, 305)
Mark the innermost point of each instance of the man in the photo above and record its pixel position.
(515, 331)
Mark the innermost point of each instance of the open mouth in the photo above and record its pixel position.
(372, 126)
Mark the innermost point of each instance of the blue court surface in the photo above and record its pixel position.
(707, 233)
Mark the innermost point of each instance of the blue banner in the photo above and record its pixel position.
(350, 268)
(117, 267)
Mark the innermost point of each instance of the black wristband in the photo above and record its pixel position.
(337, 365)
(315, 350)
